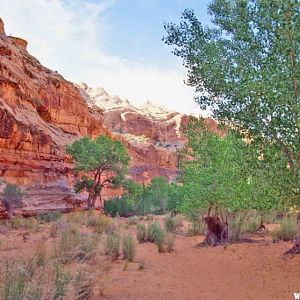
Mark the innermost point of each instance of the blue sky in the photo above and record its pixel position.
(115, 44)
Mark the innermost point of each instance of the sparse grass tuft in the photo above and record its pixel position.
(40, 254)
(112, 247)
(60, 282)
(170, 242)
(129, 247)
(133, 220)
(83, 285)
(157, 235)
(172, 223)
(141, 233)
(287, 230)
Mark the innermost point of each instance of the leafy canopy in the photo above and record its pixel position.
(100, 163)
(225, 172)
(246, 67)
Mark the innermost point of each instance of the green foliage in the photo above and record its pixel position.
(12, 197)
(245, 69)
(129, 247)
(226, 172)
(141, 233)
(104, 158)
(155, 198)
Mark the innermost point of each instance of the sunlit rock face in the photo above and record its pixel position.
(152, 134)
(40, 113)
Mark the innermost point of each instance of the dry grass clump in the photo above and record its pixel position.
(196, 226)
(170, 242)
(172, 223)
(75, 245)
(286, 231)
(100, 223)
(112, 246)
(23, 223)
(132, 220)
(141, 233)
(156, 235)
(40, 254)
(129, 247)
(83, 285)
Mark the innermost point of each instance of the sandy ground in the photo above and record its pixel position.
(252, 271)
(242, 271)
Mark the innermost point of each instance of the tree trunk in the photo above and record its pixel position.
(216, 231)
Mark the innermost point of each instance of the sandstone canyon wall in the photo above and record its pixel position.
(41, 112)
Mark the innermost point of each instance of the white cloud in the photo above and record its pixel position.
(68, 37)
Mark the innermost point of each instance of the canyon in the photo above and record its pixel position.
(41, 112)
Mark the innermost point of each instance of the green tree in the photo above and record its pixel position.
(100, 163)
(157, 194)
(225, 173)
(246, 68)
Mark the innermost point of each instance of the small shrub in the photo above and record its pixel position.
(132, 220)
(287, 230)
(112, 247)
(129, 247)
(172, 223)
(170, 242)
(141, 233)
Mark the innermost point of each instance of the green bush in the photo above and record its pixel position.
(141, 233)
(112, 247)
(123, 206)
(129, 247)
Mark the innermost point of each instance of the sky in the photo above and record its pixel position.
(114, 44)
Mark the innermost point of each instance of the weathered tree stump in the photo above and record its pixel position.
(216, 231)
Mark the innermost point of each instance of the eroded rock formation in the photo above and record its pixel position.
(41, 112)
